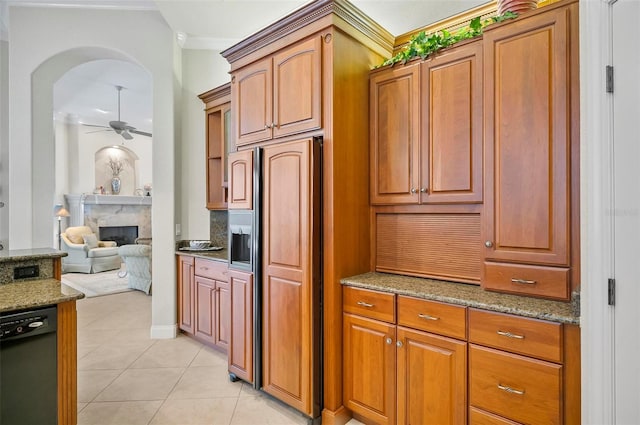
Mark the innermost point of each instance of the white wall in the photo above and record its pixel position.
(202, 71)
(44, 43)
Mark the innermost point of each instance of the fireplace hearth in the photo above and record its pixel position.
(121, 235)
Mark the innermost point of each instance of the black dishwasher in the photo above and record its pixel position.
(28, 367)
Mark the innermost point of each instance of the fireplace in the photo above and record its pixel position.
(122, 235)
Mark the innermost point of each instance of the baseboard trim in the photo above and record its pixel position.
(338, 417)
(164, 332)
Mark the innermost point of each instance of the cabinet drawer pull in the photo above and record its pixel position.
(510, 335)
(510, 390)
(523, 281)
(364, 304)
(427, 317)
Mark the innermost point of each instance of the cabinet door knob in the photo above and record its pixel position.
(423, 190)
(389, 341)
(399, 343)
(488, 244)
(414, 190)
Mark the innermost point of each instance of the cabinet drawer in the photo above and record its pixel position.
(480, 417)
(432, 316)
(545, 282)
(516, 387)
(372, 304)
(520, 335)
(212, 269)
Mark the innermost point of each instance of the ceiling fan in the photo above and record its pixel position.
(119, 126)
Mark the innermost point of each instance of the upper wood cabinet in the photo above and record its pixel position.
(426, 130)
(241, 180)
(395, 131)
(528, 143)
(280, 94)
(218, 144)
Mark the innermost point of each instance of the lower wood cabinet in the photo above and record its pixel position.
(395, 374)
(204, 300)
(412, 361)
(241, 347)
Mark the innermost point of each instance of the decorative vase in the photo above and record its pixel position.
(115, 185)
(516, 6)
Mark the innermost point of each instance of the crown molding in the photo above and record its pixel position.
(306, 15)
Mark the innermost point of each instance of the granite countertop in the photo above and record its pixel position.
(221, 255)
(30, 254)
(35, 293)
(468, 295)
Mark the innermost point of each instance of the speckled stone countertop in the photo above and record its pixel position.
(30, 254)
(467, 295)
(221, 255)
(35, 293)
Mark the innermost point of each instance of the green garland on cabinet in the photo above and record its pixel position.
(422, 45)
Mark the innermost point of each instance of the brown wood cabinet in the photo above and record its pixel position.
(241, 180)
(309, 71)
(185, 293)
(519, 370)
(529, 84)
(204, 300)
(396, 374)
(218, 138)
(290, 284)
(241, 347)
(426, 130)
(280, 94)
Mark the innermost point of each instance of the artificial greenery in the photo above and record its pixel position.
(422, 45)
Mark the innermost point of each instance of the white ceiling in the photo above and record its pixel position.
(212, 24)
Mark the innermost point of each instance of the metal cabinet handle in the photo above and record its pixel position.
(427, 316)
(399, 344)
(423, 190)
(389, 341)
(364, 304)
(488, 244)
(523, 281)
(414, 190)
(510, 390)
(510, 335)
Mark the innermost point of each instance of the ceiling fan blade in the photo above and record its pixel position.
(126, 135)
(94, 125)
(142, 133)
(98, 131)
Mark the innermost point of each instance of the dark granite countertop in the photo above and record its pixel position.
(468, 295)
(30, 254)
(221, 255)
(35, 293)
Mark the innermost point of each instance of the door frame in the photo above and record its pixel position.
(596, 188)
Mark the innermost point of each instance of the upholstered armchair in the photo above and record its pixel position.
(86, 253)
(137, 260)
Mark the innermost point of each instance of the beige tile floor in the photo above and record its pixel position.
(126, 378)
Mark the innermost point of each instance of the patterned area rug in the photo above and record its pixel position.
(97, 284)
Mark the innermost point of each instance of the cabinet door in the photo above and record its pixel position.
(205, 304)
(395, 135)
(432, 379)
(527, 140)
(289, 284)
(241, 343)
(369, 367)
(297, 77)
(251, 97)
(216, 190)
(451, 133)
(241, 180)
(222, 315)
(185, 293)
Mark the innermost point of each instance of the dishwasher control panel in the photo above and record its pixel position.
(27, 324)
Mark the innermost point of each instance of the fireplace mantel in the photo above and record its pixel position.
(115, 200)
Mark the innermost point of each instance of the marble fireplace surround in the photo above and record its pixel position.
(98, 211)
